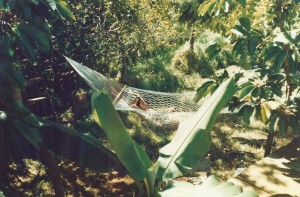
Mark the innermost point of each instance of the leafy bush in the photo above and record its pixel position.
(267, 42)
(152, 72)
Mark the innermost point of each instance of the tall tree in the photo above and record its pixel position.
(263, 36)
(26, 31)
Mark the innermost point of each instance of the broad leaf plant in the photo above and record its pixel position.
(263, 40)
(189, 145)
(26, 30)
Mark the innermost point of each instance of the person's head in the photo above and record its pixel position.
(140, 103)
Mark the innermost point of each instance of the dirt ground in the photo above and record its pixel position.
(235, 146)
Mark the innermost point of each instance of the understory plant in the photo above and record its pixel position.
(263, 38)
(24, 135)
(189, 145)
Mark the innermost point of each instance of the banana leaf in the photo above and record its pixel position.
(19, 133)
(132, 156)
(23, 134)
(81, 148)
(210, 187)
(192, 139)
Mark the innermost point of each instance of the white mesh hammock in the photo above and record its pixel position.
(165, 109)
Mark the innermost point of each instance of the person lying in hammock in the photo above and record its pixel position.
(139, 103)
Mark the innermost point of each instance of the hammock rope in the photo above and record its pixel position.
(165, 109)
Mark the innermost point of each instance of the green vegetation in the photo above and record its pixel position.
(170, 46)
(270, 91)
(176, 158)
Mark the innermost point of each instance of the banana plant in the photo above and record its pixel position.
(189, 145)
(23, 134)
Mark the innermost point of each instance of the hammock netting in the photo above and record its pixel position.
(165, 109)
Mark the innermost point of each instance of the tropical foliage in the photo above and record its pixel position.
(189, 145)
(126, 38)
(26, 29)
(262, 37)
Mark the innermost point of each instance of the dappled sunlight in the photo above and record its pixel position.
(160, 73)
(237, 145)
(277, 174)
(291, 153)
(77, 180)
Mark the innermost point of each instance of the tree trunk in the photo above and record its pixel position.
(269, 143)
(125, 63)
(14, 96)
(53, 171)
(289, 88)
(46, 157)
(192, 39)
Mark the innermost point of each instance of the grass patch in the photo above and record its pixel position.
(237, 145)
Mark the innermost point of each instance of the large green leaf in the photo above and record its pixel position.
(282, 125)
(6, 45)
(36, 31)
(151, 179)
(64, 10)
(296, 77)
(41, 23)
(246, 91)
(15, 77)
(238, 47)
(24, 134)
(26, 124)
(11, 4)
(192, 138)
(277, 91)
(273, 124)
(26, 9)
(242, 2)
(252, 43)
(245, 22)
(205, 7)
(280, 59)
(210, 187)
(266, 92)
(133, 157)
(39, 36)
(256, 92)
(20, 134)
(240, 30)
(271, 52)
(26, 44)
(51, 4)
(213, 51)
(76, 146)
(35, 2)
(29, 132)
(247, 113)
(294, 124)
(202, 90)
(14, 146)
